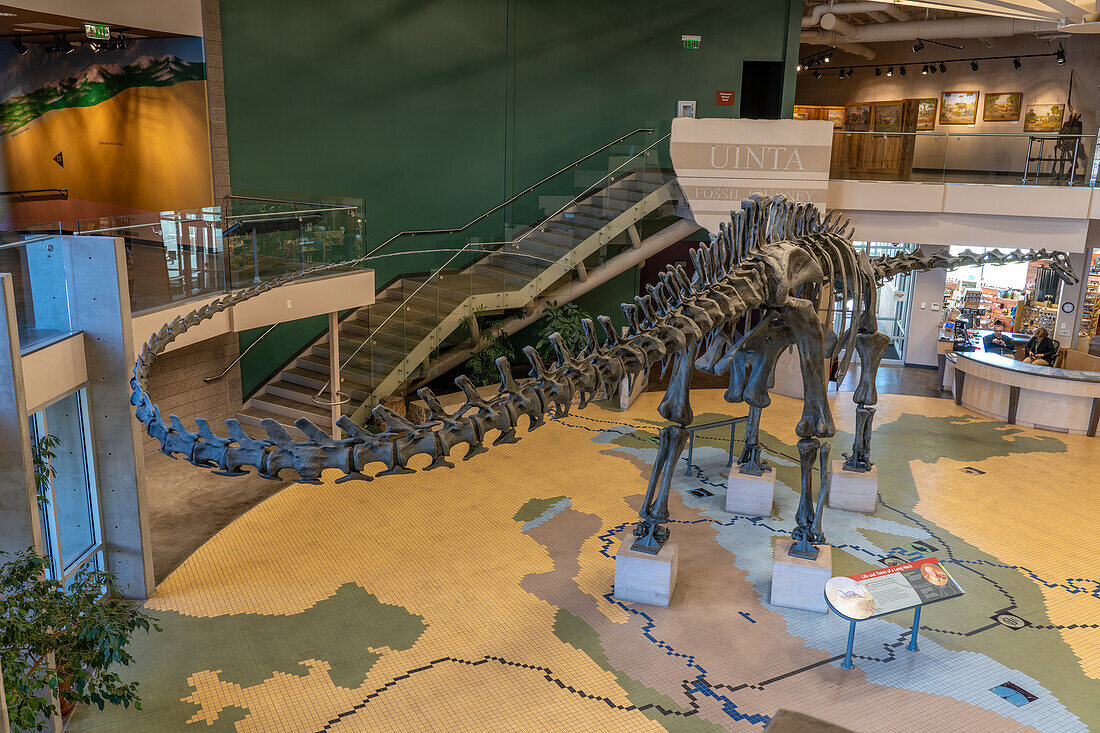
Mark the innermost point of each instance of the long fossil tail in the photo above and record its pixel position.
(889, 265)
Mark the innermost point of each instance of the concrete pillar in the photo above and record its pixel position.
(19, 524)
(1067, 325)
(923, 330)
(99, 305)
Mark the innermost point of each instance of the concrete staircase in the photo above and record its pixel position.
(383, 346)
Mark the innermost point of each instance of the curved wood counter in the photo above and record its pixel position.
(1064, 400)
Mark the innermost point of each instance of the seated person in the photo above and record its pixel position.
(999, 343)
(1040, 349)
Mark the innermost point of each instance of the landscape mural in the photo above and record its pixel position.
(123, 131)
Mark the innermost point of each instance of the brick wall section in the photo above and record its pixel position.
(215, 97)
(176, 384)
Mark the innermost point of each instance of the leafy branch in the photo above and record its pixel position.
(87, 637)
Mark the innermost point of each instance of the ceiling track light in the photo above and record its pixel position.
(902, 71)
(798, 67)
(878, 71)
(924, 69)
(943, 68)
(973, 65)
(850, 72)
(1060, 54)
(817, 74)
(1016, 63)
(827, 58)
(20, 47)
(918, 46)
(890, 71)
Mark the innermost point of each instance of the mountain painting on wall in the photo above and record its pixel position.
(96, 84)
(123, 132)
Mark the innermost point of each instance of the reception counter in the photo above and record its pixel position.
(1065, 400)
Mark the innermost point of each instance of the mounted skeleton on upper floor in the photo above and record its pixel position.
(778, 275)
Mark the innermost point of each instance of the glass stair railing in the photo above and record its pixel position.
(396, 342)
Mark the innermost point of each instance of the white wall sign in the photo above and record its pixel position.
(720, 162)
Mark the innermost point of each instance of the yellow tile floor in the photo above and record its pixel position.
(479, 598)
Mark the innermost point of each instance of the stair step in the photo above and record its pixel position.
(517, 261)
(589, 217)
(289, 409)
(360, 372)
(365, 364)
(350, 383)
(576, 230)
(250, 418)
(304, 394)
(502, 274)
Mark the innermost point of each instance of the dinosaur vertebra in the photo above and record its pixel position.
(760, 286)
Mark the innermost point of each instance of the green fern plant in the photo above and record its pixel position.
(481, 367)
(566, 320)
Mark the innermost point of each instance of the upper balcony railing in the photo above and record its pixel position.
(174, 256)
(1016, 159)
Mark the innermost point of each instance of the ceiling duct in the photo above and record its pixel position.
(835, 31)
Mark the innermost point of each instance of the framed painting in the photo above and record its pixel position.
(836, 116)
(958, 108)
(1002, 106)
(801, 113)
(1044, 117)
(857, 117)
(887, 117)
(926, 113)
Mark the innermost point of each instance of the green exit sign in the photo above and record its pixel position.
(691, 42)
(97, 31)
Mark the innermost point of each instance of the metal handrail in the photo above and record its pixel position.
(269, 214)
(950, 133)
(240, 356)
(372, 253)
(498, 207)
(283, 201)
(60, 192)
(572, 202)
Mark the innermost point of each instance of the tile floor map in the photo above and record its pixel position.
(480, 598)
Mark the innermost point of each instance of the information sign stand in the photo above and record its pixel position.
(889, 590)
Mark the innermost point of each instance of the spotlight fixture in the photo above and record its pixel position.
(878, 71)
(1061, 54)
(973, 65)
(943, 68)
(902, 71)
(931, 68)
(924, 70)
(850, 72)
(798, 67)
(843, 73)
(817, 74)
(890, 71)
(117, 44)
(1016, 63)
(20, 47)
(827, 58)
(918, 46)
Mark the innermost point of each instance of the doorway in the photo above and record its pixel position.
(761, 90)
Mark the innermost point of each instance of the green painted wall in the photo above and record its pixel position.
(436, 111)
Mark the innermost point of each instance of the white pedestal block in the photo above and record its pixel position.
(750, 495)
(856, 492)
(800, 583)
(646, 578)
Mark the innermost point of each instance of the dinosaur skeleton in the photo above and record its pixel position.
(777, 275)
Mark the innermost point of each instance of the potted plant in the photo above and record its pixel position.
(84, 627)
(566, 320)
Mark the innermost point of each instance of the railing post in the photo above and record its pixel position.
(334, 370)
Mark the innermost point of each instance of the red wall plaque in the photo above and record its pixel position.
(724, 97)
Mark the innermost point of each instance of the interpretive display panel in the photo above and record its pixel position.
(887, 590)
